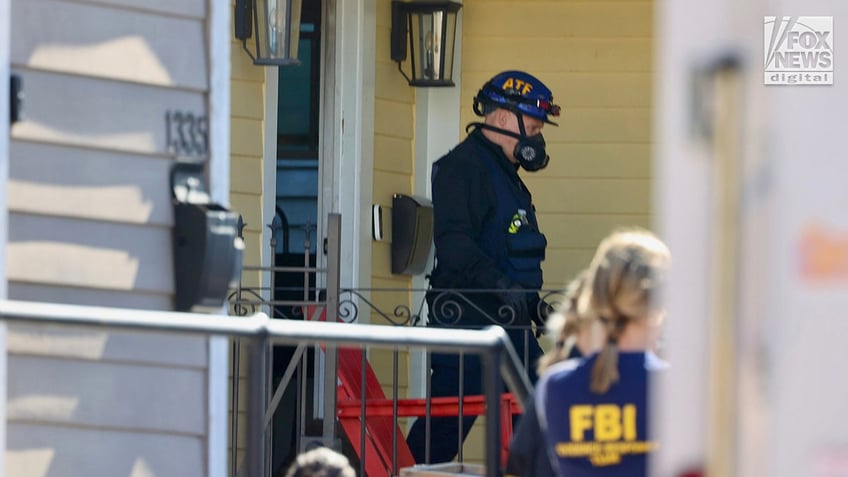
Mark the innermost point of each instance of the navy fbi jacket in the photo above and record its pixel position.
(485, 227)
(598, 435)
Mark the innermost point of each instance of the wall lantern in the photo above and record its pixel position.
(276, 24)
(431, 29)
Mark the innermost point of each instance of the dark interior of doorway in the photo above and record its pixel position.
(297, 209)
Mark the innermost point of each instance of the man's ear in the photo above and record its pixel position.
(502, 117)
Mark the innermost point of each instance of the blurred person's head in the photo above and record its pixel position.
(570, 326)
(321, 462)
(625, 276)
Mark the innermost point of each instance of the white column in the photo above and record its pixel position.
(5, 12)
(219, 102)
(220, 22)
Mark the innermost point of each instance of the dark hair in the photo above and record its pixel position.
(489, 108)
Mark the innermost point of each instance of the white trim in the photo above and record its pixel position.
(269, 179)
(348, 42)
(327, 158)
(437, 130)
(217, 413)
(365, 95)
(219, 189)
(5, 40)
(347, 144)
(4, 371)
(327, 118)
(219, 101)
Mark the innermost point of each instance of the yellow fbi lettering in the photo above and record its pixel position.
(608, 421)
(518, 85)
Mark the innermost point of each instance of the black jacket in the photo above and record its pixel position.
(463, 200)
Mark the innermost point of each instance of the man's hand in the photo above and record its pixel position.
(514, 296)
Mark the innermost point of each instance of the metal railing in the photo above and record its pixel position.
(500, 364)
(320, 288)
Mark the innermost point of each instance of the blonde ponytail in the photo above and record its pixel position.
(624, 277)
(605, 371)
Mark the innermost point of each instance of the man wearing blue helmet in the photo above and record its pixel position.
(489, 249)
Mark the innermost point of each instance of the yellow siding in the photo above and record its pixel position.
(394, 129)
(394, 126)
(247, 112)
(247, 126)
(398, 150)
(597, 59)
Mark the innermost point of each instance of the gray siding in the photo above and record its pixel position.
(75, 452)
(87, 253)
(99, 79)
(88, 402)
(90, 223)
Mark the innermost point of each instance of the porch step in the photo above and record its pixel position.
(446, 469)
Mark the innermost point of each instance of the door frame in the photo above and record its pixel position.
(5, 71)
(346, 144)
(346, 147)
(5, 41)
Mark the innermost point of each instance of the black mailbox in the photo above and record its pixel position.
(207, 247)
(412, 233)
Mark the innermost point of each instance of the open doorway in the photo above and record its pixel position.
(298, 136)
(296, 200)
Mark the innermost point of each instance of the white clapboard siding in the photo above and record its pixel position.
(116, 347)
(100, 114)
(34, 450)
(100, 185)
(132, 299)
(91, 223)
(82, 253)
(97, 394)
(109, 43)
(174, 8)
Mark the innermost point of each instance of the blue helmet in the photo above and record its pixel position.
(519, 92)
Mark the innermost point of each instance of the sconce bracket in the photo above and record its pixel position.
(242, 16)
(400, 31)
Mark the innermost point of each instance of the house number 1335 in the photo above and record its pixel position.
(186, 134)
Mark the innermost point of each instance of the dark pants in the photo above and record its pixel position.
(445, 381)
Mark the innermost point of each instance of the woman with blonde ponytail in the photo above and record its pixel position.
(593, 413)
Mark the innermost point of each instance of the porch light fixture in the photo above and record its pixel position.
(275, 26)
(431, 29)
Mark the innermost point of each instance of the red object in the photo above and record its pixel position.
(379, 418)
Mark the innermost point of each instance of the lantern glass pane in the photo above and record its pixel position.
(449, 43)
(432, 33)
(427, 45)
(278, 29)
